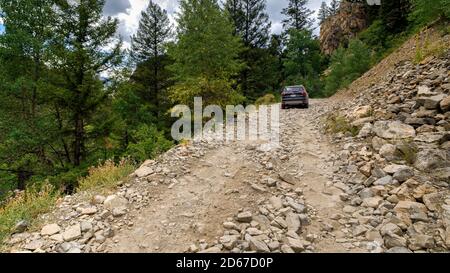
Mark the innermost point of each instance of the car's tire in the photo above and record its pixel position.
(283, 107)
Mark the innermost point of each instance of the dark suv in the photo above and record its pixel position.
(293, 96)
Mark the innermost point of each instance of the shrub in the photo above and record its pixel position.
(407, 151)
(266, 100)
(347, 64)
(426, 11)
(336, 123)
(26, 206)
(148, 142)
(106, 176)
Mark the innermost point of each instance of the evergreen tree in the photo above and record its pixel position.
(395, 15)
(334, 7)
(303, 61)
(298, 15)
(153, 34)
(81, 59)
(26, 128)
(148, 51)
(251, 21)
(324, 12)
(205, 57)
(424, 11)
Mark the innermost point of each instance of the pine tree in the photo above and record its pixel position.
(395, 15)
(251, 21)
(298, 15)
(334, 7)
(205, 57)
(153, 34)
(81, 59)
(303, 61)
(148, 50)
(324, 12)
(26, 127)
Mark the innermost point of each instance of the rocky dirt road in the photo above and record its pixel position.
(283, 198)
(381, 188)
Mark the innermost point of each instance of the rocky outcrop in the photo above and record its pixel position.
(400, 193)
(340, 28)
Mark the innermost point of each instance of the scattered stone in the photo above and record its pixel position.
(288, 178)
(85, 226)
(245, 217)
(295, 245)
(398, 250)
(34, 245)
(390, 229)
(98, 199)
(257, 245)
(119, 211)
(50, 230)
(421, 241)
(404, 174)
(144, 171)
(87, 211)
(72, 233)
(21, 226)
(293, 222)
(276, 202)
(114, 201)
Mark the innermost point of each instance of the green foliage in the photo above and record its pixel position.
(425, 11)
(26, 206)
(153, 33)
(347, 64)
(407, 151)
(205, 57)
(303, 61)
(298, 16)
(250, 20)
(394, 15)
(148, 142)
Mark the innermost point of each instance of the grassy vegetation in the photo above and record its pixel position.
(266, 100)
(336, 123)
(427, 48)
(407, 151)
(37, 200)
(26, 206)
(106, 176)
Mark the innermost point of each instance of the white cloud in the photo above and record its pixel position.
(129, 13)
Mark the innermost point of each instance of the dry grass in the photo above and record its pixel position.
(266, 100)
(407, 151)
(106, 176)
(336, 123)
(26, 206)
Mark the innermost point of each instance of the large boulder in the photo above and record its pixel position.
(393, 130)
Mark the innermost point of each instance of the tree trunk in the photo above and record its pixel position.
(79, 135)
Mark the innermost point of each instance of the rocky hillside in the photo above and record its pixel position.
(340, 28)
(399, 163)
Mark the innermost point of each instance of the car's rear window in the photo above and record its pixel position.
(294, 89)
